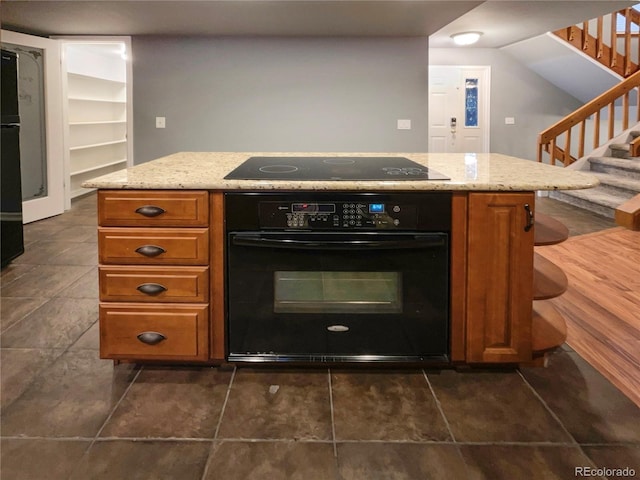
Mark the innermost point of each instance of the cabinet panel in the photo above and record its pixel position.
(154, 284)
(177, 246)
(499, 277)
(172, 208)
(154, 332)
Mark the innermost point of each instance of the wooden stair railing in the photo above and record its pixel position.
(623, 57)
(557, 139)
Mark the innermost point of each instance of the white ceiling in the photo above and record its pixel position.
(503, 22)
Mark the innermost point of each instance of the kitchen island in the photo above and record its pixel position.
(163, 252)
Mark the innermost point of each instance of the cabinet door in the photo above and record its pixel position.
(500, 277)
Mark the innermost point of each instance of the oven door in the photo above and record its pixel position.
(338, 296)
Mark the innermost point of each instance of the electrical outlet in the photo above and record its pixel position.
(509, 121)
(404, 124)
(161, 122)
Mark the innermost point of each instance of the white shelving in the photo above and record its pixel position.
(96, 113)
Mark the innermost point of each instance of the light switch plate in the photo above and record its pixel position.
(509, 121)
(161, 122)
(404, 124)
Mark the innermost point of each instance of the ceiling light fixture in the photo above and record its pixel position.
(466, 38)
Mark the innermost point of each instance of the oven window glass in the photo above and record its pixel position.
(337, 292)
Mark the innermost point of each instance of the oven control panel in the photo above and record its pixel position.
(346, 215)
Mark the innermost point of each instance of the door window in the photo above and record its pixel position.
(471, 102)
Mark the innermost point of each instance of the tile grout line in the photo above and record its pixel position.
(547, 407)
(18, 322)
(95, 438)
(54, 360)
(113, 410)
(314, 441)
(224, 404)
(439, 406)
(556, 418)
(333, 423)
(207, 465)
(333, 427)
(454, 442)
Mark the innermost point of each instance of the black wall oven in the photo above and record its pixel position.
(334, 277)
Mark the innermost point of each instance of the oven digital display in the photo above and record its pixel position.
(313, 208)
(376, 208)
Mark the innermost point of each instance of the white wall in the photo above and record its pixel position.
(279, 94)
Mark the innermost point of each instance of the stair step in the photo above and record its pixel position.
(620, 150)
(625, 167)
(597, 200)
(617, 184)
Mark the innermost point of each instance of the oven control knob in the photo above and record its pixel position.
(396, 222)
(396, 208)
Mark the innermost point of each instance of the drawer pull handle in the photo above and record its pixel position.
(150, 250)
(150, 210)
(151, 288)
(151, 338)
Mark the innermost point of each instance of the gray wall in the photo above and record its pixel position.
(516, 91)
(279, 94)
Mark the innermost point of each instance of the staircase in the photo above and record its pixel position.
(619, 175)
(610, 115)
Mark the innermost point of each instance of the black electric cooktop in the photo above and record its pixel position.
(333, 168)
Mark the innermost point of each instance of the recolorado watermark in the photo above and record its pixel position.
(604, 472)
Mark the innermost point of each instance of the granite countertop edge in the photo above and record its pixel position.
(468, 172)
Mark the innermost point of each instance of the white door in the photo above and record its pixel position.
(41, 127)
(459, 109)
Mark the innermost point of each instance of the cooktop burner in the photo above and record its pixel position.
(333, 168)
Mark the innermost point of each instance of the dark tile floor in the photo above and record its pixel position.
(66, 414)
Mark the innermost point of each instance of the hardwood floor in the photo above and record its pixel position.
(602, 304)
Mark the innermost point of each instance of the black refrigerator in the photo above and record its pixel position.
(12, 239)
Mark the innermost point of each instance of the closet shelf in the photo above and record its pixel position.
(97, 100)
(96, 78)
(97, 122)
(99, 167)
(94, 145)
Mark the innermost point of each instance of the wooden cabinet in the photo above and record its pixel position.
(154, 275)
(162, 276)
(499, 277)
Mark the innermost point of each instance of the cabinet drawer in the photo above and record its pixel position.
(154, 284)
(177, 246)
(119, 208)
(176, 332)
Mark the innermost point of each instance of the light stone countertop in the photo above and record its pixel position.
(482, 172)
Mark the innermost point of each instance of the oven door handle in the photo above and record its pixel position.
(413, 242)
